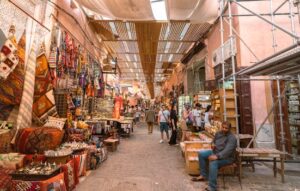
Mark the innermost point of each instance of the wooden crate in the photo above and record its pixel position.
(191, 155)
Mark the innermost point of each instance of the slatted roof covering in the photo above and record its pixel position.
(142, 52)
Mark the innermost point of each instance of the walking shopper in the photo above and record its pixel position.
(197, 117)
(222, 153)
(208, 115)
(186, 120)
(163, 121)
(150, 118)
(174, 119)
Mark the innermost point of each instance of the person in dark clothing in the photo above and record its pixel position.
(222, 154)
(174, 119)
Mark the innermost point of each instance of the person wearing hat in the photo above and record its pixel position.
(222, 154)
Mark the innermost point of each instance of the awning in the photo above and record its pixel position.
(196, 11)
(120, 9)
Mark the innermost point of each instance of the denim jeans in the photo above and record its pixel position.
(213, 167)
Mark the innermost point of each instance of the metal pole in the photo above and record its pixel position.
(221, 3)
(297, 3)
(291, 16)
(280, 116)
(237, 34)
(274, 43)
(280, 6)
(233, 72)
(299, 79)
(266, 20)
(260, 127)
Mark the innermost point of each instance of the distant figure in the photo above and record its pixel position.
(150, 118)
(163, 120)
(208, 115)
(174, 119)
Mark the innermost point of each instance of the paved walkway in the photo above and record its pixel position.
(142, 164)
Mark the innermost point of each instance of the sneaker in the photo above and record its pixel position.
(161, 141)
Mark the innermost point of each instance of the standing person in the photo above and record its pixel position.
(186, 120)
(222, 154)
(208, 115)
(163, 120)
(150, 118)
(137, 114)
(174, 119)
(197, 117)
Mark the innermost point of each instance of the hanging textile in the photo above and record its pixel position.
(25, 112)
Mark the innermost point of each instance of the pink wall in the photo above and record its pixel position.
(257, 34)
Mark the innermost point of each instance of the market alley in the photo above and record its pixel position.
(141, 163)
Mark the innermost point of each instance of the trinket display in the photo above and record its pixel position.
(75, 145)
(59, 152)
(36, 171)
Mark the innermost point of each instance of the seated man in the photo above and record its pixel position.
(222, 154)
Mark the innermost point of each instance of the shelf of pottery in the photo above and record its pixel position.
(292, 94)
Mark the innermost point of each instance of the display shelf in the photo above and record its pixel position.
(219, 106)
(292, 95)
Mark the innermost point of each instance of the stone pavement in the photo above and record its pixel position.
(142, 164)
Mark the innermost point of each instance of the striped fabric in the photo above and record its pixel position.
(25, 112)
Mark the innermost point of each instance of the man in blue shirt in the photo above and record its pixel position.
(222, 154)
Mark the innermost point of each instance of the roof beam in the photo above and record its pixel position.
(130, 40)
(148, 54)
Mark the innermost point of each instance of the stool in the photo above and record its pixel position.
(230, 169)
(111, 144)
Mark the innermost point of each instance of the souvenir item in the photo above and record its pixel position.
(56, 183)
(55, 122)
(38, 140)
(75, 145)
(58, 152)
(69, 174)
(36, 172)
(45, 106)
(5, 180)
(11, 161)
(20, 185)
(8, 56)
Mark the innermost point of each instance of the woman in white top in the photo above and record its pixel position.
(207, 115)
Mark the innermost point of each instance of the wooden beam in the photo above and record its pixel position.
(132, 40)
(152, 53)
(149, 21)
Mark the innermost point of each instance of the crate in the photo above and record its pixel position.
(111, 144)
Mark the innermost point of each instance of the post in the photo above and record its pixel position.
(282, 141)
(221, 3)
(233, 71)
(291, 16)
(274, 43)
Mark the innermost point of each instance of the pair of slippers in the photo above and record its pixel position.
(198, 179)
(201, 179)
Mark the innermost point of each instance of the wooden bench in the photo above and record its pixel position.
(262, 153)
